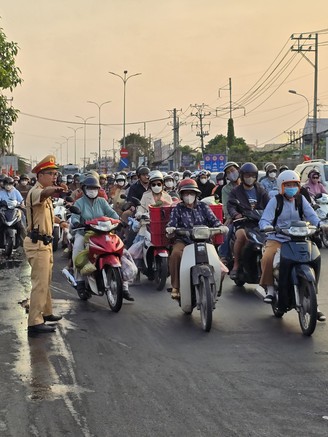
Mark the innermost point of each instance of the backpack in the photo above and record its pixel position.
(280, 204)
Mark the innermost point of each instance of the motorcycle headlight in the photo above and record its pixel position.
(297, 231)
(201, 233)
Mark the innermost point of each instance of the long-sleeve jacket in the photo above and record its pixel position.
(92, 209)
(238, 202)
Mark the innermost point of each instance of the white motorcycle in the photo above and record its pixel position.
(201, 273)
(322, 212)
(60, 235)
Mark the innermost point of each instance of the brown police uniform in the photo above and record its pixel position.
(40, 215)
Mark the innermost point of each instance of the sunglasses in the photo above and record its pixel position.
(315, 177)
(51, 173)
(158, 184)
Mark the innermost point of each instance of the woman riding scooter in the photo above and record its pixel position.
(187, 214)
(91, 206)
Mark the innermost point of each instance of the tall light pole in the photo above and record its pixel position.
(67, 138)
(85, 136)
(61, 152)
(308, 117)
(124, 79)
(99, 127)
(74, 129)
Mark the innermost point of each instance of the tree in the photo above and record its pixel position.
(231, 134)
(9, 79)
(137, 146)
(239, 151)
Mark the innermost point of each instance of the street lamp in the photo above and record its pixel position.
(308, 116)
(99, 127)
(74, 129)
(85, 144)
(67, 138)
(124, 79)
(61, 152)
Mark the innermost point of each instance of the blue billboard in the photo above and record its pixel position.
(214, 162)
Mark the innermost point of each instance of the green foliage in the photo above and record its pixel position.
(239, 151)
(9, 79)
(231, 134)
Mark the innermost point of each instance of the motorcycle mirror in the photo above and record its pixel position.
(123, 196)
(74, 210)
(69, 199)
(136, 201)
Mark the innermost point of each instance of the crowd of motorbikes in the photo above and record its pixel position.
(201, 271)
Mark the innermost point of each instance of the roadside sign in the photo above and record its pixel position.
(124, 153)
(214, 162)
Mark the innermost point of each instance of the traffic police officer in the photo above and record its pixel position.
(38, 247)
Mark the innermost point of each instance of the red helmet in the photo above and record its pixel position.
(188, 185)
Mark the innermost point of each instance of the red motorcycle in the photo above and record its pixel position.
(103, 256)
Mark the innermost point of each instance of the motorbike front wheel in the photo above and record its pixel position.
(9, 246)
(308, 306)
(114, 288)
(324, 238)
(161, 272)
(205, 303)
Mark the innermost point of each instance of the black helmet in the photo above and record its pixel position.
(220, 176)
(8, 180)
(230, 164)
(186, 174)
(270, 168)
(142, 170)
(283, 168)
(248, 167)
(91, 181)
(76, 176)
(23, 176)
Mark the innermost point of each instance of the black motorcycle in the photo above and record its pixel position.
(10, 226)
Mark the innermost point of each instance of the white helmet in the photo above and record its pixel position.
(287, 176)
(156, 175)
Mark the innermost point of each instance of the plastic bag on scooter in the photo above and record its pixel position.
(81, 259)
(136, 249)
(129, 268)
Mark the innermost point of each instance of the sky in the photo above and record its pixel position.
(185, 50)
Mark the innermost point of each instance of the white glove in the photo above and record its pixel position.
(224, 229)
(170, 230)
(12, 203)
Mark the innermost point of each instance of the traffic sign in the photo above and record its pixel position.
(214, 162)
(124, 153)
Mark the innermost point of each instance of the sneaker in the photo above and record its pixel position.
(268, 298)
(321, 317)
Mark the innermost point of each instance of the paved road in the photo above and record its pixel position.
(151, 371)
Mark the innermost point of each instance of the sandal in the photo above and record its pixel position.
(175, 293)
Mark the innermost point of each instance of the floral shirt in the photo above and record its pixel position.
(184, 217)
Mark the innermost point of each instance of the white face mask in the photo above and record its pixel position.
(203, 180)
(249, 181)
(272, 175)
(220, 182)
(92, 194)
(189, 198)
(24, 182)
(156, 189)
(133, 181)
(169, 184)
(233, 176)
(121, 183)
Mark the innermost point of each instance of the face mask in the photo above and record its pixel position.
(233, 176)
(291, 191)
(169, 184)
(9, 187)
(176, 178)
(249, 181)
(272, 175)
(121, 183)
(24, 182)
(220, 182)
(203, 180)
(92, 194)
(189, 198)
(133, 181)
(156, 189)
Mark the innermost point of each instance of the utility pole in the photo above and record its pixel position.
(176, 137)
(201, 114)
(309, 43)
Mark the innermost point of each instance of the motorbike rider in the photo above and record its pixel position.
(23, 186)
(269, 182)
(91, 206)
(137, 189)
(13, 198)
(289, 187)
(205, 185)
(155, 195)
(313, 184)
(76, 182)
(231, 171)
(220, 183)
(118, 190)
(169, 185)
(243, 199)
(187, 214)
